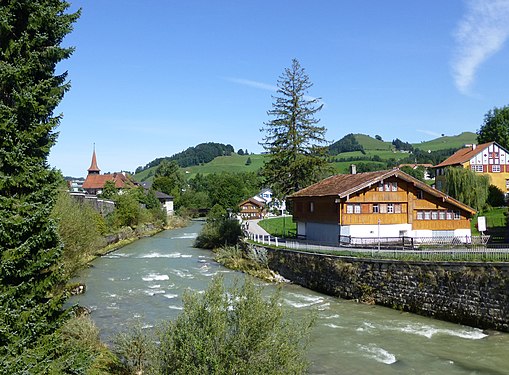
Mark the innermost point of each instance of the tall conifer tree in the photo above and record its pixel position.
(293, 140)
(31, 32)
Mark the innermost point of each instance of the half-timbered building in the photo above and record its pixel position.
(487, 158)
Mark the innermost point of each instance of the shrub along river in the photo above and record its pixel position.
(146, 279)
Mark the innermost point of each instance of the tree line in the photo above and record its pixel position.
(200, 154)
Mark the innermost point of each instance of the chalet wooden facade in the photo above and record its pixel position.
(487, 158)
(383, 203)
(251, 209)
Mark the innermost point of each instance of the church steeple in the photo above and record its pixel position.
(94, 169)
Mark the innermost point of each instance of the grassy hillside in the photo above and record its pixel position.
(372, 147)
(232, 163)
(456, 141)
(370, 143)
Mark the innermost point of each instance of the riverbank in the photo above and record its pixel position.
(146, 281)
(470, 293)
(128, 235)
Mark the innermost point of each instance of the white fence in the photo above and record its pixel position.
(475, 249)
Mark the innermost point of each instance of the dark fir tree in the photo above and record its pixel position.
(30, 278)
(495, 127)
(293, 140)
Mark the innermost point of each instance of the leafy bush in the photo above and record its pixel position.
(79, 227)
(219, 232)
(74, 348)
(496, 197)
(234, 331)
(136, 350)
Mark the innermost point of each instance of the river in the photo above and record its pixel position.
(146, 279)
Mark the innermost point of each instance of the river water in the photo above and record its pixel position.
(146, 279)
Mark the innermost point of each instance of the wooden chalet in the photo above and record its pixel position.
(251, 209)
(387, 203)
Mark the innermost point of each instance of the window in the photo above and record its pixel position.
(434, 215)
(376, 209)
(380, 186)
(448, 215)
(420, 215)
(311, 207)
(394, 186)
(419, 194)
(390, 208)
(495, 168)
(397, 208)
(387, 186)
(477, 168)
(383, 208)
(507, 184)
(457, 215)
(353, 208)
(441, 215)
(427, 215)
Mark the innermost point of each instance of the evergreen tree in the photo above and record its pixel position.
(293, 140)
(495, 127)
(30, 277)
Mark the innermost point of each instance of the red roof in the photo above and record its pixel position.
(97, 181)
(93, 165)
(463, 155)
(342, 185)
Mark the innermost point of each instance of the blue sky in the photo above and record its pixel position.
(152, 78)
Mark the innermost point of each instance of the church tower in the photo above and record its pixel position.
(94, 169)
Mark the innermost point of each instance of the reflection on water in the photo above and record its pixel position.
(146, 280)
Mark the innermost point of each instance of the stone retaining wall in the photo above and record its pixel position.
(475, 294)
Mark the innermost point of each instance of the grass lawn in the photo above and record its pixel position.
(277, 225)
(496, 222)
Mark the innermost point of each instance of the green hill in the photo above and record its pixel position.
(232, 163)
(371, 144)
(455, 141)
(376, 152)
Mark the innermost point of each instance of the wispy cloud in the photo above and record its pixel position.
(480, 33)
(264, 86)
(250, 83)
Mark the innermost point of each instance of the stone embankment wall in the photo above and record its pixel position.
(475, 294)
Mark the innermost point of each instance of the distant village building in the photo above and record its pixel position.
(252, 208)
(487, 158)
(95, 181)
(75, 185)
(373, 204)
(425, 166)
(260, 205)
(165, 199)
(266, 196)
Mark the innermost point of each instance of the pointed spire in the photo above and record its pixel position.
(94, 169)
